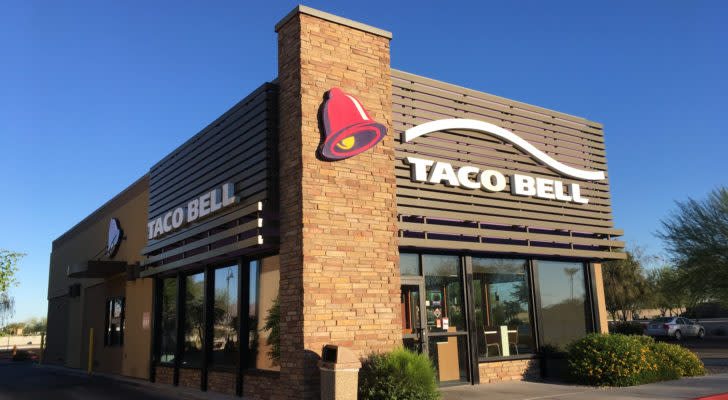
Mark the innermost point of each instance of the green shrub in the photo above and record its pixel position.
(398, 375)
(685, 362)
(626, 360)
(611, 360)
(627, 328)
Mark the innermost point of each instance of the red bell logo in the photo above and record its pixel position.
(348, 128)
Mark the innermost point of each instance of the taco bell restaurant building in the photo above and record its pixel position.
(370, 207)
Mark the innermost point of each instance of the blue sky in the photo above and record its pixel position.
(94, 93)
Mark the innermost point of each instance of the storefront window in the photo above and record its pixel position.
(225, 317)
(264, 284)
(564, 311)
(444, 293)
(194, 323)
(409, 264)
(501, 296)
(114, 335)
(168, 321)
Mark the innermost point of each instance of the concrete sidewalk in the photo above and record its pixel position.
(686, 388)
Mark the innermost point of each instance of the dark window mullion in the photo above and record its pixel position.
(179, 348)
(122, 320)
(470, 319)
(207, 318)
(155, 324)
(240, 360)
(536, 315)
(107, 324)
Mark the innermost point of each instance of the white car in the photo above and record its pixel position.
(674, 327)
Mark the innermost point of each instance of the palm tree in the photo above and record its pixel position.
(571, 272)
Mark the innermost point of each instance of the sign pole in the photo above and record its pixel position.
(91, 350)
(40, 353)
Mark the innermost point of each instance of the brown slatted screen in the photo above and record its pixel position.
(239, 147)
(453, 218)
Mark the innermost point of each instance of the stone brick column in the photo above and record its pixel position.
(339, 258)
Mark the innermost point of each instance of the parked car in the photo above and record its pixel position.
(674, 327)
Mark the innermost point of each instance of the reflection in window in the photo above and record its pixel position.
(225, 317)
(564, 309)
(114, 335)
(168, 321)
(409, 264)
(444, 295)
(194, 323)
(501, 294)
(264, 284)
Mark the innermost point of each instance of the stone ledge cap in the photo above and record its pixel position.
(300, 9)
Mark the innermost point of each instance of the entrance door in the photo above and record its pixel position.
(412, 330)
(431, 324)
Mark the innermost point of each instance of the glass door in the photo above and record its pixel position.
(446, 332)
(434, 313)
(412, 330)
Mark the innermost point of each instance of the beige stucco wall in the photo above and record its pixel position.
(87, 241)
(138, 338)
(600, 301)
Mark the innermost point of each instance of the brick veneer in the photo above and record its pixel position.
(221, 382)
(260, 384)
(339, 257)
(164, 374)
(514, 370)
(190, 377)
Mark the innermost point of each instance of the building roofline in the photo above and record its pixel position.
(300, 9)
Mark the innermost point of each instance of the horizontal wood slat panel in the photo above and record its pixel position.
(522, 214)
(401, 78)
(494, 233)
(246, 227)
(488, 201)
(493, 219)
(570, 154)
(506, 248)
(213, 150)
(216, 220)
(406, 187)
(594, 196)
(405, 102)
(570, 140)
(243, 244)
(239, 147)
(480, 157)
(484, 142)
(242, 107)
(254, 167)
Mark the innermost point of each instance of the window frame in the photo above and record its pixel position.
(243, 361)
(536, 318)
(107, 321)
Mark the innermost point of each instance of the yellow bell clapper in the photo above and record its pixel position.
(346, 143)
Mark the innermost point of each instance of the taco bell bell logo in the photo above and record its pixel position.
(348, 128)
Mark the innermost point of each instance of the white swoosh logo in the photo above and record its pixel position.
(480, 126)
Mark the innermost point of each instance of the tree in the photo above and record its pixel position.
(666, 292)
(625, 285)
(696, 236)
(8, 260)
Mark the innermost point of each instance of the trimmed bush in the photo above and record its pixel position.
(627, 328)
(622, 360)
(398, 375)
(684, 361)
(611, 360)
